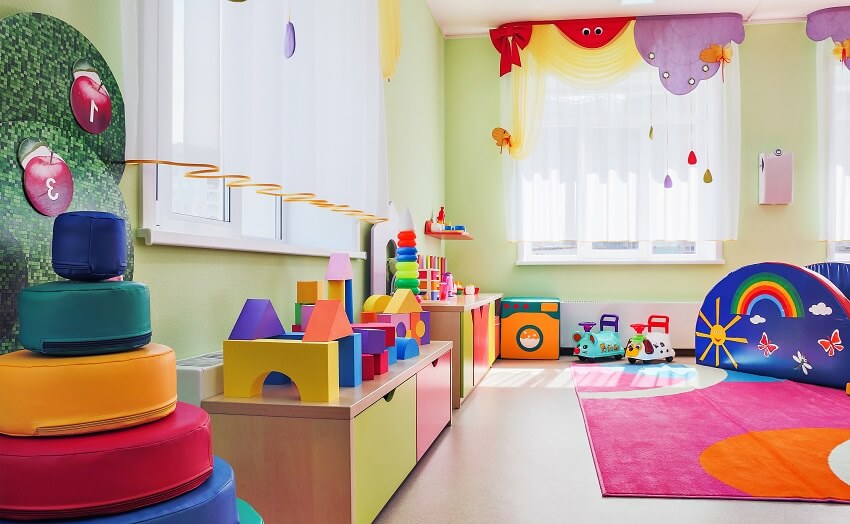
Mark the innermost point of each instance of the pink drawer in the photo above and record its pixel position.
(433, 402)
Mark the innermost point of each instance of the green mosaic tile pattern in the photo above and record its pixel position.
(37, 55)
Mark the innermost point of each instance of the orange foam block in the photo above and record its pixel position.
(327, 322)
(403, 301)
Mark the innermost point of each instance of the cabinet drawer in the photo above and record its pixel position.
(384, 449)
(433, 402)
(467, 363)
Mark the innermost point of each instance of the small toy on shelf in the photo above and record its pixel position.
(591, 346)
(444, 230)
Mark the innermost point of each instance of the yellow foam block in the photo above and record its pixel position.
(48, 395)
(336, 290)
(309, 292)
(376, 303)
(403, 301)
(312, 366)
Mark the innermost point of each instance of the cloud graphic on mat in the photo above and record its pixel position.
(758, 319)
(820, 309)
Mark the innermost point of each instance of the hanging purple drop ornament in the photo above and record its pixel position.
(289, 40)
(668, 182)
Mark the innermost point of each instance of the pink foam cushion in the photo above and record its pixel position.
(102, 473)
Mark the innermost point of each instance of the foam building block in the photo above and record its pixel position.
(339, 267)
(403, 301)
(336, 290)
(381, 363)
(350, 360)
(257, 319)
(368, 316)
(349, 300)
(306, 313)
(297, 327)
(292, 335)
(388, 329)
(312, 366)
(376, 303)
(368, 367)
(406, 348)
(310, 292)
(327, 322)
(425, 318)
(373, 341)
(277, 378)
(400, 321)
(298, 312)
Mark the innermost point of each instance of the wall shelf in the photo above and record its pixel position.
(446, 235)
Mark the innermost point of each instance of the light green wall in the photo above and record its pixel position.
(196, 294)
(416, 120)
(778, 110)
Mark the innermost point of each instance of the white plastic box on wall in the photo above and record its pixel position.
(200, 377)
(776, 178)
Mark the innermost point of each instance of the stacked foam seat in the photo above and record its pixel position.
(122, 449)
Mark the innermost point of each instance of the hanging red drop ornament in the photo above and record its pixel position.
(692, 158)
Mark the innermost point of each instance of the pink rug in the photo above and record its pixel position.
(675, 430)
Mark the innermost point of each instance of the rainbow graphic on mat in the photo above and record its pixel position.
(770, 287)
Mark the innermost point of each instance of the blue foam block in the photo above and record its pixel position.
(89, 245)
(277, 378)
(391, 355)
(349, 301)
(350, 360)
(293, 335)
(406, 348)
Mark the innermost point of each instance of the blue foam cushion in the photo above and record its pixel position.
(213, 502)
(89, 245)
(835, 272)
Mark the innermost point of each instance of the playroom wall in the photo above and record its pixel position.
(196, 294)
(778, 109)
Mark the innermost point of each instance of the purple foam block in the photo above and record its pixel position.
(257, 319)
(372, 340)
(306, 313)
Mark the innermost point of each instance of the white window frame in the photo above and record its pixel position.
(707, 252)
(159, 225)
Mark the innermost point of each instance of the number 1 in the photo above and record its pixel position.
(91, 111)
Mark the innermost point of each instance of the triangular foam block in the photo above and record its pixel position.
(328, 322)
(258, 319)
(339, 267)
(403, 301)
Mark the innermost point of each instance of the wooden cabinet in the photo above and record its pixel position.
(338, 461)
(465, 320)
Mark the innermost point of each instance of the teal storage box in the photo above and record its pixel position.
(84, 318)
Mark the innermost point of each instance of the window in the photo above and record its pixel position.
(619, 194)
(216, 87)
(834, 133)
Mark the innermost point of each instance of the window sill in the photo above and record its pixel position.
(609, 262)
(256, 245)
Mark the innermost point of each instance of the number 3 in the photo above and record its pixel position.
(50, 194)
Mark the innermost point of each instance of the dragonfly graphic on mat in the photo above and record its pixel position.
(832, 344)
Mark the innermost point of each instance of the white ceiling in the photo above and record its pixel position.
(475, 17)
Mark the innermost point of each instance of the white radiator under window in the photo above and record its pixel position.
(683, 316)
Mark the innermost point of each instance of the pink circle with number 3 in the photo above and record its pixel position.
(48, 185)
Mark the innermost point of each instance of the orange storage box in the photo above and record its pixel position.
(47, 396)
(530, 328)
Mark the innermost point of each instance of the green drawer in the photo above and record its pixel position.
(384, 449)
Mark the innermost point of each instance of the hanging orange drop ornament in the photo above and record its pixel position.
(707, 178)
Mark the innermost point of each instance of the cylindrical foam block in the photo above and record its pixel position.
(106, 473)
(48, 396)
(84, 318)
(89, 245)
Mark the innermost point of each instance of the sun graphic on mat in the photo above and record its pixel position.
(717, 335)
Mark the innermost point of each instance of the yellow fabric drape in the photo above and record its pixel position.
(549, 52)
(389, 35)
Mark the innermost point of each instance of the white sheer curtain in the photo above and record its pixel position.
(595, 175)
(312, 123)
(833, 138)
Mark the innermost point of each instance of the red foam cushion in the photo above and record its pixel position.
(102, 473)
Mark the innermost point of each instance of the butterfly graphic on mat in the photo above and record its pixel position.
(766, 345)
(832, 344)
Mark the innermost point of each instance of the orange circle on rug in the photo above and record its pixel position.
(779, 463)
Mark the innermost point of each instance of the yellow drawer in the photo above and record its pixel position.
(384, 449)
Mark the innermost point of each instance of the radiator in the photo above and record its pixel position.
(683, 316)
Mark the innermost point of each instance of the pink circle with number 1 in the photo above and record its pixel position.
(48, 184)
(90, 102)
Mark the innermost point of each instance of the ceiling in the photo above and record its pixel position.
(476, 17)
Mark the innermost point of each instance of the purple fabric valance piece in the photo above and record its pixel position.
(673, 44)
(833, 22)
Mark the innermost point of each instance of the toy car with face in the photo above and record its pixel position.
(604, 344)
(654, 345)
